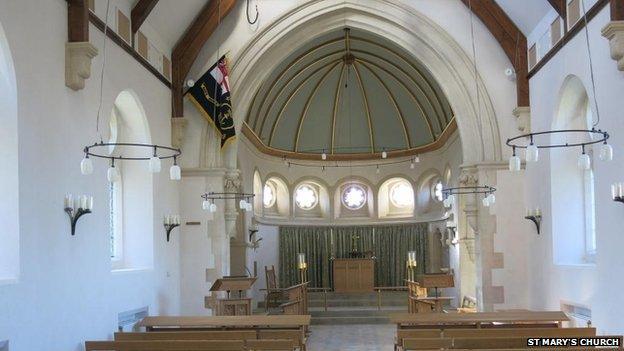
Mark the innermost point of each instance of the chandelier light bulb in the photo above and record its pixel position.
(323, 156)
(205, 205)
(175, 173)
(112, 174)
(514, 163)
(249, 207)
(154, 164)
(86, 166)
(486, 202)
(384, 154)
(412, 165)
(242, 204)
(451, 199)
(213, 208)
(491, 198)
(606, 152)
(417, 159)
(532, 153)
(584, 162)
(447, 202)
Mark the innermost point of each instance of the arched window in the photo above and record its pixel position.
(396, 198)
(269, 195)
(354, 197)
(9, 180)
(131, 197)
(572, 189)
(436, 192)
(306, 197)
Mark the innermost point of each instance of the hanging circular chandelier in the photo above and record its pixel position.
(244, 200)
(151, 153)
(488, 194)
(595, 136)
(115, 151)
(532, 146)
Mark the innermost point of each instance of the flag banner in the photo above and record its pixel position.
(211, 96)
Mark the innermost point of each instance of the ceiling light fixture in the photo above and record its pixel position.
(244, 200)
(488, 194)
(149, 152)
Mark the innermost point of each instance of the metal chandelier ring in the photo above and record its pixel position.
(513, 142)
(464, 190)
(227, 196)
(162, 152)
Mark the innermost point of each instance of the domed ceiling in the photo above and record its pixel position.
(349, 94)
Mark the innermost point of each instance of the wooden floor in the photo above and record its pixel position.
(361, 337)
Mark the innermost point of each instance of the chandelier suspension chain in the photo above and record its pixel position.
(591, 65)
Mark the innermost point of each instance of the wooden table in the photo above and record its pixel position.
(226, 322)
(438, 301)
(478, 319)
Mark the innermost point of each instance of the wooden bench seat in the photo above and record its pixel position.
(188, 335)
(270, 344)
(416, 334)
(468, 343)
(166, 345)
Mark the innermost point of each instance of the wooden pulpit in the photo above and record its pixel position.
(237, 306)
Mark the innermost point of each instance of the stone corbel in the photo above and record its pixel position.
(178, 130)
(78, 56)
(523, 118)
(614, 32)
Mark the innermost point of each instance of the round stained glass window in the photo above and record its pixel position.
(306, 197)
(402, 194)
(354, 197)
(268, 195)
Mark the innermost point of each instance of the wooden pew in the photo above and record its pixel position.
(270, 344)
(493, 332)
(296, 336)
(470, 343)
(188, 335)
(165, 345)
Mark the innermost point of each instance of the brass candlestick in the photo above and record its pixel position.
(411, 264)
(302, 266)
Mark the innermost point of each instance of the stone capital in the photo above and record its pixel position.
(614, 32)
(78, 57)
(523, 118)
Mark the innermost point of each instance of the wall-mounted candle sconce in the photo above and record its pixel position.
(171, 222)
(535, 215)
(76, 209)
(617, 192)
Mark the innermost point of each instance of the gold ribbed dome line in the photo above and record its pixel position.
(337, 96)
(307, 104)
(292, 94)
(408, 90)
(367, 109)
(400, 116)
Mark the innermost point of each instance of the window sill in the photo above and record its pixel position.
(121, 271)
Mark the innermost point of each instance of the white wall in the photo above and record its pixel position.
(66, 292)
(597, 286)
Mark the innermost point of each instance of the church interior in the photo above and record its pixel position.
(311, 174)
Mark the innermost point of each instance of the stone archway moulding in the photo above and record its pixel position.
(394, 21)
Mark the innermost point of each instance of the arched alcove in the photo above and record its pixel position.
(9, 181)
(280, 206)
(311, 186)
(258, 192)
(354, 197)
(131, 198)
(572, 189)
(427, 201)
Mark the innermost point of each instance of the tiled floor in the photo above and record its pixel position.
(356, 337)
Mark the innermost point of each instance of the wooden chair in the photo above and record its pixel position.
(469, 305)
(415, 305)
(274, 294)
(166, 345)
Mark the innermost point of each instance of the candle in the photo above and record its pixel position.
(90, 205)
(538, 212)
(620, 190)
(69, 201)
(177, 219)
(301, 260)
(614, 191)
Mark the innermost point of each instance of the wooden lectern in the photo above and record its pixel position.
(437, 280)
(231, 306)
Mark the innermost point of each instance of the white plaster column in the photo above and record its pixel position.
(467, 231)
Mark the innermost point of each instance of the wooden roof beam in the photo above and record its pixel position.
(560, 7)
(188, 47)
(77, 21)
(140, 12)
(617, 10)
(510, 38)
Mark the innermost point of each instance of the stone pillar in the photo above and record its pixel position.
(467, 225)
(614, 32)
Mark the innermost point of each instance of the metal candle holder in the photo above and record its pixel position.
(536, 217)
(303, 267)
(83, 206)
(170, 223)
(411, 265)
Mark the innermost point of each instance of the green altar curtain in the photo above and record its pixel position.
(388, 243)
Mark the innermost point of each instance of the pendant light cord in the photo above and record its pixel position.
(591, 65)
(97, 119)
(474, 58)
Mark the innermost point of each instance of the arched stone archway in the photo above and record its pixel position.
(401, 24)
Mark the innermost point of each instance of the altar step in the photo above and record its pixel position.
(388, 299)
(353, 316)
